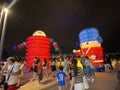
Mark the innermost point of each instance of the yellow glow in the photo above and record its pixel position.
(78, 50)
(6, 10)
(74, 50)
(79, 64)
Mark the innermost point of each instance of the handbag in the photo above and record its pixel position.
(85, 83)
(5, 83)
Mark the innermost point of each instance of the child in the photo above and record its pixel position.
(61, 76)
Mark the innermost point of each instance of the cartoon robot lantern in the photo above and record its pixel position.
(38, 45)
(90, 43)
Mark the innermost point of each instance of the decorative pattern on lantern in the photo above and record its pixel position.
(90, 43)
(37, 45)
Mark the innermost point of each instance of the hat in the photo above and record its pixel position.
(10, 58)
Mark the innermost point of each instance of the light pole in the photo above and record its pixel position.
(1, 19)
(4, 12)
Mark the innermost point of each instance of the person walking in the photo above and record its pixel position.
(45, 72)
(88, 69)
(39, 69)
(77, 76)
(35, 68)
(53, 66)
(61, 78)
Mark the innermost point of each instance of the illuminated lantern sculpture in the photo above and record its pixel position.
(90, 44)
(37, 45)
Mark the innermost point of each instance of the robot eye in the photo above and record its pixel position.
(87, 43)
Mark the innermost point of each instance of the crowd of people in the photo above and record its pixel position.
(70, 70)
(11, 73)
(73, 69)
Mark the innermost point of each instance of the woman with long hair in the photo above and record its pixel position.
(77, 76)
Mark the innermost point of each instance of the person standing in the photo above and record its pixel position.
(117, 68)
(35, 68)
(82, 60)
(77, 76)
(40, 74)
(21, 72)
(1, 79)
(12, 74)
(61, 78)
(109, 59)
(53, 66)
(66, 66)
(4, 72)
(88, 69)
(45, 72)
(107, 65)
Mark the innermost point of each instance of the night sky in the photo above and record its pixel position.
(62, 20)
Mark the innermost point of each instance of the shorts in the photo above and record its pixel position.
(62, 87)
(79, 86)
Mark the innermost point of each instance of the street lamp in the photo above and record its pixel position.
(3, 27)
(3, 20)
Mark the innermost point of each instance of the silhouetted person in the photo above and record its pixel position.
(108, 60)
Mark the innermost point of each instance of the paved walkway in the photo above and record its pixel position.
(28, 84)
(103, 81)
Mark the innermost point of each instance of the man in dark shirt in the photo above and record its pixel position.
(109, 60)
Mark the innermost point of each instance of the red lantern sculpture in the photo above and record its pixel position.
(37, 45)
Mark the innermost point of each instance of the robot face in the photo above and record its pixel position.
(39, 33)
(90, 44)
(93, 57)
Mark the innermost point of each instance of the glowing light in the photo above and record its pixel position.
(3, 31)
(6, 10)
(39, 33)
(12, 3)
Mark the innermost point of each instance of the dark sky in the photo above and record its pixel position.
(62, 20)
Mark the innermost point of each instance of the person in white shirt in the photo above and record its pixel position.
(21, 72)
(12, 74)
